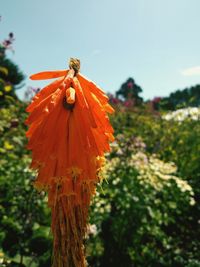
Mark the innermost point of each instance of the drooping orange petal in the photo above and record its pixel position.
(83, 101)
(89, 85)
(44, 93)
(45, 75)
(108, 108)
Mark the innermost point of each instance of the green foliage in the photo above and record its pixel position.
(148, 215)
(13, 76)
(188, 97)
(24, 216)
(130, 90)
(21, 207)
(10, 77)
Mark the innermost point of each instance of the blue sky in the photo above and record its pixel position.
(157, 42)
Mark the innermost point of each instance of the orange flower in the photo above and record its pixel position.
(69, 132)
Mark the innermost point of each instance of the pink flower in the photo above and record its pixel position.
(130, 85)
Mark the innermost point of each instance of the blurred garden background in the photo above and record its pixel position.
(146, 212)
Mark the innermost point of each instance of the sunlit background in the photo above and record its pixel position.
(146, 208)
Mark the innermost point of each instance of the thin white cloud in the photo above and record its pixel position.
(191, 71)
(96, 52)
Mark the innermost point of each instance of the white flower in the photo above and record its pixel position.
(92, 229)
(180, 115)
(192, 201)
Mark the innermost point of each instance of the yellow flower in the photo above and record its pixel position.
(4, 70)
(74, 171)
(8, 146)
(7, 88)
(100, 161)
